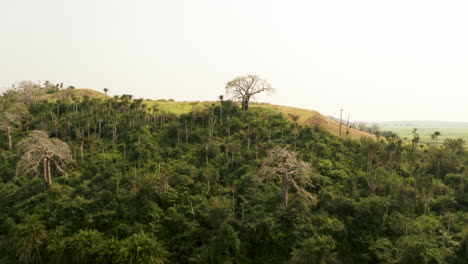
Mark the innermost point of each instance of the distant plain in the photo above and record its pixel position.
(451, 130)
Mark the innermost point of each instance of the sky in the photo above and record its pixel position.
(377, 60)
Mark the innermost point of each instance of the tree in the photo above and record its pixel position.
(317, 249)
(11, 114)
(7, 122)
(30, 238)
(29, 92)
(316, 121)
(435, 137)
(246, 87)
(105, 92)
(416, 138)
(38, 149)
(221, 98)
(284, 164)
(140, 248)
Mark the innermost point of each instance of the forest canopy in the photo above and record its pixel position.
(129, 183)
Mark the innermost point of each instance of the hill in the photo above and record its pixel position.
(178, 108)
(109, 181)
(69, 93)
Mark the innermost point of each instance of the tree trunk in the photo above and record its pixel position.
(285, 190)
(49, 176)
(229, 128)
(233, 199)
(10, 144)
(248, 136)
(221, 113)
(245, 104)
(186, 133)
(100, 128)
(44, 166)
(82, 149)
(178, 136)
(206, 153)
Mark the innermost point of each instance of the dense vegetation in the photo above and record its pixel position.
(132, 184)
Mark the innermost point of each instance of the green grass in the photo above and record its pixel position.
(452, 130)
(178, 108)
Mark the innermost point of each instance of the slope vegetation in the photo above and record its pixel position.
(304, 115)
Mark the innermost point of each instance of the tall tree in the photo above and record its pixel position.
(11, 114)
(416, 138)
(436, 137)
(38, 149)
(246, 87)
(7, 122)
(284, 164)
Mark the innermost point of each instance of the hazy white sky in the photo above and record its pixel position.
(378, 60)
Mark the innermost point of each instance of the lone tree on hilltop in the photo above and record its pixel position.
(38, 149)
(245, 87)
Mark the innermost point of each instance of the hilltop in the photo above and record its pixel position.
(178, 108)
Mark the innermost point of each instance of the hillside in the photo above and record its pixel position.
(70, 93)
(178, 108)
(109, 181)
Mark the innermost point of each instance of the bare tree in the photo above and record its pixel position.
(246, 87)
(29, 92)
(38, 149)
(8, 121)
(284, 165)
(316, 121)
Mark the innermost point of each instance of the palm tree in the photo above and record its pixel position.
(85, 246)
(38, 149)
(105, 92)
(416, 138)
(221, 98)
(140, 248)
(30, 238)
(436, 136)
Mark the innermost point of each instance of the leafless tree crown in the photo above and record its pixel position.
(38, 149)
(246, 87)
(284, 164)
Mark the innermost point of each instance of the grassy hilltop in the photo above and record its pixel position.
(183, 107)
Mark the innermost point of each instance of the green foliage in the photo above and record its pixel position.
(317, 249)
(207, 187)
